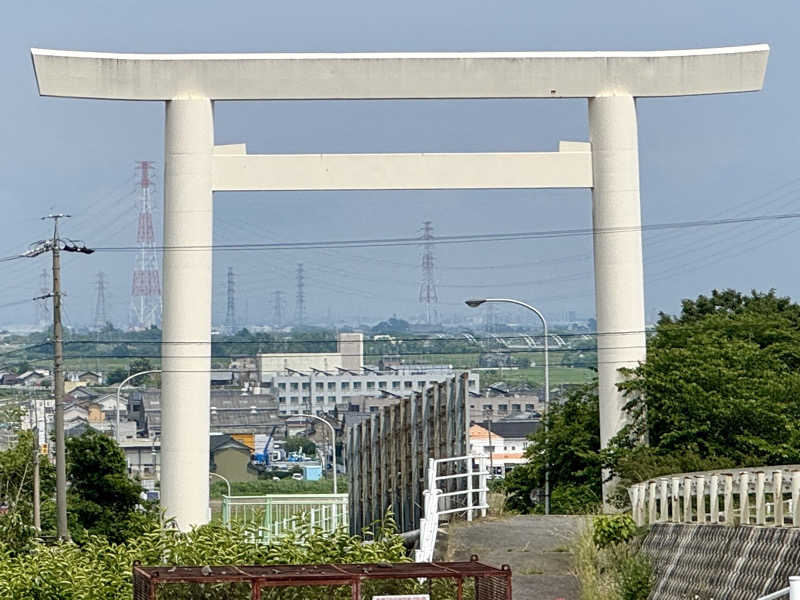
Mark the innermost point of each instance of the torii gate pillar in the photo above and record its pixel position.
(618, 270)
(186, 316)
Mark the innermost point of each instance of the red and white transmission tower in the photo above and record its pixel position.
(146, 288)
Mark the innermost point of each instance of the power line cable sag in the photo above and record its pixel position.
(462, 239)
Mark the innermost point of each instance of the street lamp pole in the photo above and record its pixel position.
(333, 444)
(228, 483)
(119, 389)
(475, 304)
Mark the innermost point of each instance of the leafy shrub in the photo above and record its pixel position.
(635, 577)
(608, 562)
(609, 530)
(567, 499)
(101, 570)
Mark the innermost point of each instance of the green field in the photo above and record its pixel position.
(535, 376)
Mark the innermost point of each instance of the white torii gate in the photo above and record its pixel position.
(195, 168)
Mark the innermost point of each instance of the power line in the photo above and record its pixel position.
(465, 238)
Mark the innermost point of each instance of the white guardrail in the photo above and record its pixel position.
(756, 495)
(459, 501)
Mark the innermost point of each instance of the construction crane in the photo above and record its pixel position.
(264, 458)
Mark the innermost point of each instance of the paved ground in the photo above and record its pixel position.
(536, 547)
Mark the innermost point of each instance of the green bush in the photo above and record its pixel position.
(101, 570)
(608, 561)
(635, 577)
(609, 530)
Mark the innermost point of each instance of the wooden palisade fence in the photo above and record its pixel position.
(387, 454)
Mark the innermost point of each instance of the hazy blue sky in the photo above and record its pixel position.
(701, 157)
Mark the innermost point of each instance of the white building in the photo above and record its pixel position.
(503, 443)
(319, 381)
(321, 391)
(349, 355)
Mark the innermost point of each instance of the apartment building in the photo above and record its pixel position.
(318, 382)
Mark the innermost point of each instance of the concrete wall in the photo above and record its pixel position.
(719, 561)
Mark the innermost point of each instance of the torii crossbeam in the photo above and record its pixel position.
(195, 168)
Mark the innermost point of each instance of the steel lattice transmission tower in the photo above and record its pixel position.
(230, 313)
(100, 318)
(300, 301)
(43, 313)
(278, 305)
(146, 288)
(427, 287)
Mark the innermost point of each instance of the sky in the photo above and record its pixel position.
(706, 157)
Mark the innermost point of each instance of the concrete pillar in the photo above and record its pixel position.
(618, 273)
(186, 348)
(351, 347)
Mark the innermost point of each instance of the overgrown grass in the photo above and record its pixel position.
(615, 571)
(283, 486)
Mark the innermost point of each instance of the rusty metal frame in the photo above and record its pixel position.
(147, 579)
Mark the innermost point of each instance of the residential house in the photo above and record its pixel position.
(230, 458)
(34, 378)
(231, 411)
(9, 379)
(503, 442)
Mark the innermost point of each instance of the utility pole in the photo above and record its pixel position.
(33, 413)
(54, 246)
(58, 386)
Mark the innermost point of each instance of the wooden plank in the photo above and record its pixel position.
(463, 418)
(394, 414)
(374, 468)
(383, 494)
(426, 424)
(354, 464)
(437, 430)
(416, 492)
(365, 511)
(402, 470)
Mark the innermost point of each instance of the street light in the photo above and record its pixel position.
(474, 303)
(119, 389)
(228, 483)
(333, 443)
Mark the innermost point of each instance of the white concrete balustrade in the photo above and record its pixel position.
(751, 496)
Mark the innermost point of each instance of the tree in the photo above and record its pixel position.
(16, 476)
(570, 449)
(299, 443)
(720, 388)
(115, 376)
(103, 499)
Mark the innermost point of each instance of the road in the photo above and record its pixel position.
(535, 546)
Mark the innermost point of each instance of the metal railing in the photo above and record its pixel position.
(456, 501)
(793, 591)
(759, 496)
(275, 515)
